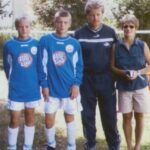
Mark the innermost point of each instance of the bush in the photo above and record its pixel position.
(3, 38)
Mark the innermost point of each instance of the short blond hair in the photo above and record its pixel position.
(62, 13)
(23, 17)
(94, 4)
(130, 18)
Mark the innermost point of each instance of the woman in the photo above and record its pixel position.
(131, 62)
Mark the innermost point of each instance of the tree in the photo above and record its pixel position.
(3, 11)
(45, 10)
(140, 8)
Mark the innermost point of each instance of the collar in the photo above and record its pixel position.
(98, 29)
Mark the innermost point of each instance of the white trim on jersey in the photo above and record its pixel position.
(75, 60)
(45, 60)
(9, 59)
(97, 40)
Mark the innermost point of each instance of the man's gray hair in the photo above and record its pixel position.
(94, 4)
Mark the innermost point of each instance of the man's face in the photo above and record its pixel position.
(23, 28)
(95, 17)
(62, 25)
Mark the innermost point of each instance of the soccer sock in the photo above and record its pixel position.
(12, 137)
(71, 137)
(28, 137)
(50, 136)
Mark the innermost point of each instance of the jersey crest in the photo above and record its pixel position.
(69, 48)
(34, 50)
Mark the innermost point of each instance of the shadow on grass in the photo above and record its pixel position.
(40, 140)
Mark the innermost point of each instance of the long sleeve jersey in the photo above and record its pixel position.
(61, 64)
(20, 66)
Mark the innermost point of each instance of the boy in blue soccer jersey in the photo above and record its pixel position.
(62, 68)
(20, 66)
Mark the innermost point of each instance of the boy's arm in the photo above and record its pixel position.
(79, 66)
(42, 68)
(78, 69)
(7, 61)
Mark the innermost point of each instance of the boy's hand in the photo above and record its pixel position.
(45, 93)
(74, 91)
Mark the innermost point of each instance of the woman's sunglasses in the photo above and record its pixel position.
(128, 26)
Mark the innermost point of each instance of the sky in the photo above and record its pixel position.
(109, 4)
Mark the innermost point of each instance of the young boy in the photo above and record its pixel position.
(20, 66)
(62, 69)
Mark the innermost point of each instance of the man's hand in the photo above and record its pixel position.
(74, 92)
(45, 93)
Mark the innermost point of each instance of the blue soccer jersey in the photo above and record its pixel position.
(62, 64)
(20, 66)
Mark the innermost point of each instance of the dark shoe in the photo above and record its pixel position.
(50, 148)
(86, 147)
(114, 148)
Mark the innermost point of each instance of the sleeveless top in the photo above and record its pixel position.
(132, 59)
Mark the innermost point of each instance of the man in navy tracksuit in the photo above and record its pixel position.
(96, 40)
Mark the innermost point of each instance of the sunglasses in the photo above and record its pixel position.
(128, 26)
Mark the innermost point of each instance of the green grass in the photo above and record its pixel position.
(40, 140)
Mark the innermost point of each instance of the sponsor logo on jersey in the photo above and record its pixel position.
(60, 43)
(34, 50)
(25, 60)
(24, 45)
(96, 36)
(59, 58)
(106, 44)
(69, 48)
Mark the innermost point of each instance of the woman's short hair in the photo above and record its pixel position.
(130, 18)
(62, 13)
(94, 4)
(23, 17)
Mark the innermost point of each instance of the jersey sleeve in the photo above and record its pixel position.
(7, 61)
(42, 63)
(79, 65)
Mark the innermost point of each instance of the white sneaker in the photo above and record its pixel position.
(27, 147)
(71, 147)
(12, 147)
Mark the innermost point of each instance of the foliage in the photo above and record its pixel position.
(3, 38)
(3, 11)
(45, 11)
(140, 8)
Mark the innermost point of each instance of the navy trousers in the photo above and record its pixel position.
(99, 89)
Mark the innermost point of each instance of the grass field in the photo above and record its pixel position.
(40, 141)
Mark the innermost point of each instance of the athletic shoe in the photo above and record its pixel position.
(50, 148)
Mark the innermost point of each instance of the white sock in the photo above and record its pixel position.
(71, 137)
(28, 137)
(50, 136)
(12, 138)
